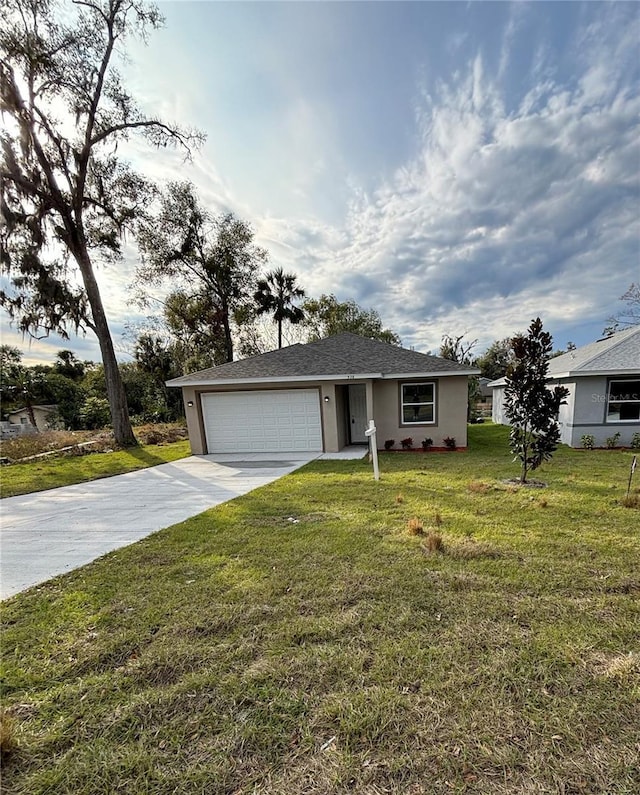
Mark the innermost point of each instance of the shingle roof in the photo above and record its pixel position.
(618, 353)
(341, 355)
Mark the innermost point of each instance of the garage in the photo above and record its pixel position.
(262, 421)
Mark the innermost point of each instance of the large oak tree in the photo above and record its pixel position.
(67, 195)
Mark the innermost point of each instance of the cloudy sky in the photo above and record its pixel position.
(461, 167)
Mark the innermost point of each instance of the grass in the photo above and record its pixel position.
(65, 471)
(241, 652)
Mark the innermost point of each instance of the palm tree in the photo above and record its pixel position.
(275, 295)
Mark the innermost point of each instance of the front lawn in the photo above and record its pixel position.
(302, 639)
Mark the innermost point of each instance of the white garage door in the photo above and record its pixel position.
(283, 420)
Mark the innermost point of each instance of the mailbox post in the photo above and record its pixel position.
(373, 448)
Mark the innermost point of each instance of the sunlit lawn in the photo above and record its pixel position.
(301, 640)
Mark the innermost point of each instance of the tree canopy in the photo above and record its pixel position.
(326, 316)
(211, 260)
(630, 315)
(275, 296)
(67, 196)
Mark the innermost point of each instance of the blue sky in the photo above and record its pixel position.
(461, 167)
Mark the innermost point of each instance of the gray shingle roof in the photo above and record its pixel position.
(618, 353)
(340, 355)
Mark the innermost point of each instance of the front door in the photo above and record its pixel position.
(357, 413)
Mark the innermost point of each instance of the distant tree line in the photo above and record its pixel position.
(79, 390)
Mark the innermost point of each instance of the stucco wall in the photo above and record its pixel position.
(589, 415)
(332, 438)
(383, 402)
(450, 419)
(44, 419)
(584, 413)
(497, 407)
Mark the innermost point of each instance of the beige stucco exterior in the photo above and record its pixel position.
(45, 417)
(383, 406)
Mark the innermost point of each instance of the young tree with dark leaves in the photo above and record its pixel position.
(211, 259)
(67, 197)
(530, 405)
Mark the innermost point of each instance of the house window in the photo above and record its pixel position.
(418, 404)
(623, 401)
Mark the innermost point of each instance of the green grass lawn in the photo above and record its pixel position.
(243, 652)
(50, 473)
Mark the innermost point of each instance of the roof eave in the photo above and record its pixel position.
(431, 374)
(283, 379)
(292, 379)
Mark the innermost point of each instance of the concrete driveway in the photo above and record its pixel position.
(52, 532)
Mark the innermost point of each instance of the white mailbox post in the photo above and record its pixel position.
(373, 448)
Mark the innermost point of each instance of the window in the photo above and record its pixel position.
(418, 403)
(623, 401)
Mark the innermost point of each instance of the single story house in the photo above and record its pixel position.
(603, 379)
(45, 417)
(321, 396)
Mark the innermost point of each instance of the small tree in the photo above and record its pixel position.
(530, 405)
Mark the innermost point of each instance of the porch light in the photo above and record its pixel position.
(190, 404)
(326, 398)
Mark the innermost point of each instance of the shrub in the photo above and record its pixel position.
(631, 501)
(635, 441)
(415, 527)
(407, 443)
(95, 413)
(450, 442)
(427, 443)
(588, 441)
(389, 444)
(612, 441)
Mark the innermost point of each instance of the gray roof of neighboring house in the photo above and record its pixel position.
(50, 409)
(619, 353)
(338, 356)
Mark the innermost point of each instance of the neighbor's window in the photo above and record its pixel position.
(623, 401)
(418, 403)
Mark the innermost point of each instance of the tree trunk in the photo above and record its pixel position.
(228, 339)
(122, 430)
(30, 414)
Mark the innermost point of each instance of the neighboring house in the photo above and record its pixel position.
(45, 417)
(603, 379)
(484, 402)
(321, 396)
